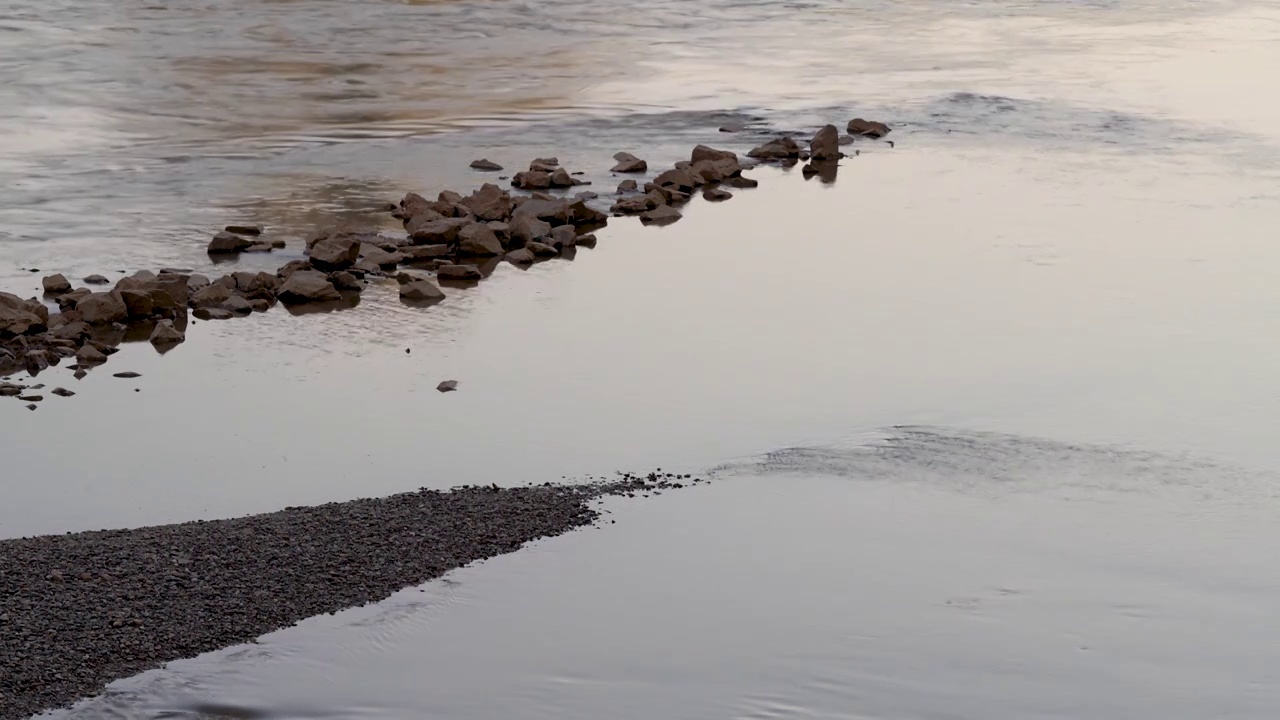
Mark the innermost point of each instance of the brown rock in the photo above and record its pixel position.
(532, 180)
(380, 257)
(635, 204)
(868, 128)
(439, 231)
(424, 252)
(195, 283)
(336, 252)
(344, 280)
(523, 256)
(102, 308)
(459, 272)
(628, 163)
(57, 285)
(563, 237)
(166, 334)
(213, 314)
(742, 183)
(716, 194)
(682, 180)
(237, 304)
(782, 148)
(478, 239)
(138, 303)
(526, 228)
(244, 229)
(90, 355)
(420, 291)
(486, 165)
(825, 144)
(548, 161)
(423, 217)
(260, 247)
(225, 242)
(447, 386)
(661, 215)
(488, 203)
(210, 297)
(587, 240)
(703, 152)
(306, 286)
(291, 267)
(627, 186)
(542, 249)
(560, 179)
(96, 280)
(555, 211)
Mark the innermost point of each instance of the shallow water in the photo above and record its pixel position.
(1060, 277)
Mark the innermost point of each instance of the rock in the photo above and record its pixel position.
(213, 314)
(478, 239)
(344, 280)
(560, 179)
(237, 304)
(447, 386)
(742, 183)
(704, 152)
(526, 228)
(62, 392)
(437, 232)
(175, 288)
(90, 355)
(825, 170)
(102, 308)
(825, 144)
(661, 215)
(531, 180)
(716, 194)
(580, 213)
(563, 237)
(32, 406)
(555, 211)
(306, 286)
(17, 317)
(335, 252)
(548, 161)
(421, 291)
(56, 285)
(635, 205)
(424, 252)
(210, 296)
(782, 148)
(31, 398)
(846, 140)
(489, 203)
(523, 256)
(587, 240)
(679, 179)
(714, 171)
(96, 280)
(261, 304)
(10, 390)
(74, 331)
(459, 272)
(244, 229)
(80, 373)
(291, 267)
(380, 257)
(486, 165)
(627, 186)
(260, 247)
(868, 128)
(542, 249)
(261, 284)
(68, 301)
(166, 334)
(628, 163)
(732, 128)
(225, 243)
(127, 375)
(196, 283)
(138, 303)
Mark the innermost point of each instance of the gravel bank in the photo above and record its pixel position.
(78, 611)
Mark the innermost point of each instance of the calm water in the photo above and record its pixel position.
(1061, 279)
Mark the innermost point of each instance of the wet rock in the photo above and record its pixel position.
(547, 161)
(56, 285)
(447, 386)
(306, 286)
(478, 239)
(489, 203)
(581, 214)
(439, 231)
(846, 140)
(260, 304)
(244, 229)
(260, 247)
(18, 317)
(380, 257)
(563, 237)
(704, 152)
(868, 128)
(555, 211)
(824, 170)
(335, 252)
(532, 180)
(102, 308)
(587, 240)
(196, 283)
(424, 252)
(226, 243)
(782, 148)
(526, 228)
(288, 269)
(10, 390)
(560, 179)
(138, 303)
(127, 375)
(825, 144)
(459, 272)
(716, 194)
(260, 284)
(420, 291)
(486, 165)
(627, 186)
(741, 183)
(635, 204)
(542, 249)
(165, 334)
(678, 179)
(628, 163)
(31, 398)
(96, 280)
(661, 215)
(62, 392)
(211, 296)
(732, 128)
(237, 304)
(80, 373)
(90, 355)
(523, 256)
(74, 331)
(32, 406)
(213, 314)
(344, 280)
(37, 361)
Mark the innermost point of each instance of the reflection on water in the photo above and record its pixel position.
(923, 573)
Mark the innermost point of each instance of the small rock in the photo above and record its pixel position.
(306, 286)
(96, 280)
(213, 314)
(541, 249)
(825, 144)
(260, 247)
(31, 398)
(627, 186)
(783, 148)
(486, 165)
(868, 128)
(226, 243)
(90, 355)
(62, 392)
(628, 163)
(80, 373)
(742, 183)
(335, 252)
(531, 180)
(447, 386)
(127, 375)
(564, 236)
(587, 240)
(344, 280)
(661, 215)
(421, 291)
(459, 272)
(548, 161)
(732, 128)
(56, 285)
(166, 334)
(560, 179)
(32, 406)
(523, 256)
(716, 194)
(244, 229)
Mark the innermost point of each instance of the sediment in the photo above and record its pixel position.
(78, 611)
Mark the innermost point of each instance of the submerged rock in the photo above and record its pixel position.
(868, 128)
(486, 165)
(716, 194)
(421, 291)
(227, 243)
(459, 272)
(244, 229)
(96, 280)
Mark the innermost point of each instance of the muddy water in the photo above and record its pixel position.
(1061, 277)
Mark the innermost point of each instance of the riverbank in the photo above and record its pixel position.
(80, 610)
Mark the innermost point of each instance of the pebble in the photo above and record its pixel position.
(127, 375)
(447, 386)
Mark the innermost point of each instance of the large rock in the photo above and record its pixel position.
(423, 217)
(21, 317)
(525, 228)
(420, 291)
(68, 301)
(703, 152)
(714, 171)
(661, 215)
(489, 203)
(868, 128)
(336, 252)
(485, 165)
(563, 237)
(634, 205)
(57, 285)
(138, 303)
(225, 243)
(459, 272)
(478, 239)
(260, 284)
(560, 178)
(532, 180)
(555, 211)
(783, 148)
(380, 257)
(411, 205)
(102, 308)
(523, 256)
(166, 335)
(825, 144)
(424, 252)
(542, 249)
(306, 286)
(439, 231)
(90, 355)
(628, 163)
(211, 296)
(680, 179)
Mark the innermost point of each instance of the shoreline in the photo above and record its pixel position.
(81, 610)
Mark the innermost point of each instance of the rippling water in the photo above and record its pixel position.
(1060, 281)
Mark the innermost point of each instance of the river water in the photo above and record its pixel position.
(993, 412)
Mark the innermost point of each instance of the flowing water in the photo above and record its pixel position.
(1022, 359)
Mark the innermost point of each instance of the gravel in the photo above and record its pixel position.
(78, 611)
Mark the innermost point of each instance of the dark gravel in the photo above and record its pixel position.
(80, 610)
